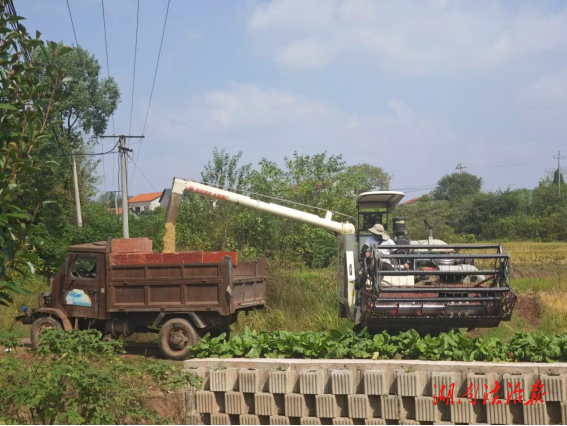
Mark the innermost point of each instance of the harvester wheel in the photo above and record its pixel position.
(40, 325)
(176, 338)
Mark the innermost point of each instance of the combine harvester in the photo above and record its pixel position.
(431, 286)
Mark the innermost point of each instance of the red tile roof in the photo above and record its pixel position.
(145, 197)
(413, 200)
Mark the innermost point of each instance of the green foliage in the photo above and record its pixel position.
(451, 346)
(26, 103)
(457, 186)
(76, 379)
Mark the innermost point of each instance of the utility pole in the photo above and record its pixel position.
(115, 202)
(460, 168)
(559, 158)
(77, 199)
(124, 176)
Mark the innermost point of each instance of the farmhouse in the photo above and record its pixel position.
(142, 202)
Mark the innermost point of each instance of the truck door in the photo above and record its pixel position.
(81, 286)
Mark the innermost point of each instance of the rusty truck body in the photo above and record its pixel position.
(121, 287)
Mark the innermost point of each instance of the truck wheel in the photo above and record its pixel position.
(39, 325)
(176, 338)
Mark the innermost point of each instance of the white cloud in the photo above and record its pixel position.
(272, 123)
(413, 37)
(550, 91)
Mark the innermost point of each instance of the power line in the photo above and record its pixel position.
(107, 61)
(153, 85)
(157, 65)
(89, 154)
(134, 74)
(136, 166)
(72, 23)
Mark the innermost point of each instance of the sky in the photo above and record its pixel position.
(416, 87)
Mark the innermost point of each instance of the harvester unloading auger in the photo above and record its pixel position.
(432, 286)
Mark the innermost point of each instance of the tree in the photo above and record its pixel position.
(26, 103)
(456, 186)
(86, 102)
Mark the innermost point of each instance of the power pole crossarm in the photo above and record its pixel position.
(460, 168)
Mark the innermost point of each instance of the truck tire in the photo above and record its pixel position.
(39, 325)
(176, 338)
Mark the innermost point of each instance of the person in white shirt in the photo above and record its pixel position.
(380, 238)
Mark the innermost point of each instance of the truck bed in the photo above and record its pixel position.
(187, 281)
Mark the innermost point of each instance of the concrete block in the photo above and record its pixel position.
(425, 409)
(223, 380)
(375, 421)
(342, 421)
(193, 419)
(310, 421)
(296, 405)
(237, 403)
(252, 380)
(522, 381)
(282, 381)
(481, 384)
(344, 382)
(462, 411)
(190, 401)
(408, 422)
(411, 383)
(220, 419)
(326, 406)
(265, 405)
(201, 372)
(499, 414)
(447, 382)
(536, 414)
(207, 402)
(443, 423)
(279, 420)
(391, 407)
(359, 407)
(555, 387)
(378, 382)
(249, 419)
(312, 382)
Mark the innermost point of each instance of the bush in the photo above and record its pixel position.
(75, 378)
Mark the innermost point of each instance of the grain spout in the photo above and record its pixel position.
(169, 238)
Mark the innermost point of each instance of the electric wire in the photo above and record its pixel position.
(136, 166)
(107, 60)
(72, 23)
(153, 86)
(89, 154)
(134, 73)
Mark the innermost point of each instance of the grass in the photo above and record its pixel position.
(298, 299)
(34, 285)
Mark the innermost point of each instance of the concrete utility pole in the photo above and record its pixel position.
(77, 199)
(115, 202)
(460, 168)
(124, 176)
(559, 158)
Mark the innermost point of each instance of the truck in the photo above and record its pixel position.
(121, 287)
(427, 285)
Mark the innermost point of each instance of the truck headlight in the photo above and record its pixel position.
(44, 300)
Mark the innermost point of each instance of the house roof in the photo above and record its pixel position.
(413, 200)
(144, 198)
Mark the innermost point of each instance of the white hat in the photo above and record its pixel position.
(378, 229)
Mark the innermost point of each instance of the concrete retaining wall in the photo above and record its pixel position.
(346, 392)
